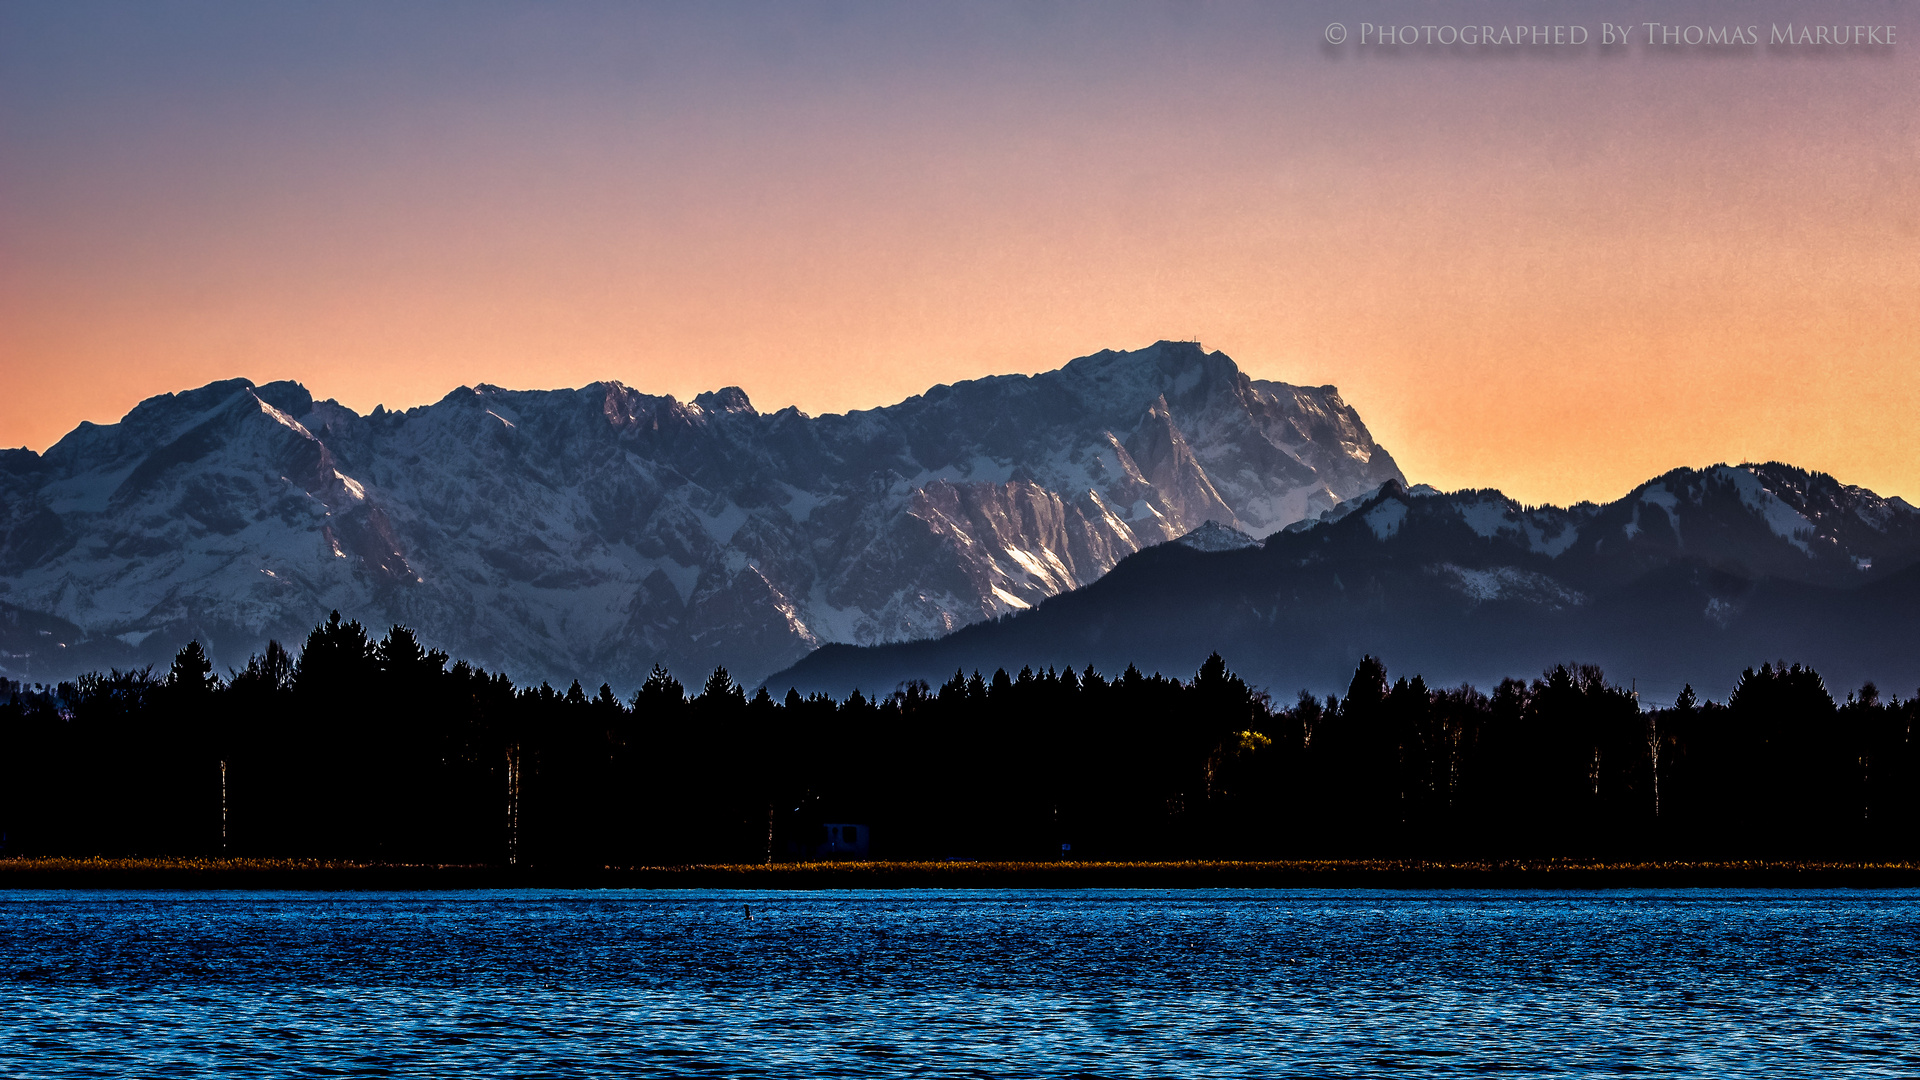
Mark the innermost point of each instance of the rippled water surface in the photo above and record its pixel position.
(1100, 983)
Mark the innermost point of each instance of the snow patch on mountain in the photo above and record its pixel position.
(1213, 536)
(1385, 519)
(1720, 612)
(1487, 517)
(1658, 495)
(1786, 522)
(1553, 538)
(1510, 583)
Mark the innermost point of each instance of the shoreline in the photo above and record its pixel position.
(343, 876)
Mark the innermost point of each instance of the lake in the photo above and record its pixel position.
(1103, 983)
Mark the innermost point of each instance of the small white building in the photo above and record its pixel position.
(841, 841)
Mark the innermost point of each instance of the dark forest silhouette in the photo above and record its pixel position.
(380, 750)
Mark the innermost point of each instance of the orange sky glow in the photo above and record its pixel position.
(1557, 275)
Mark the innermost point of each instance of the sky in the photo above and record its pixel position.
(1557, 271)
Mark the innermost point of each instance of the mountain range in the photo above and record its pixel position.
(593, 533)
(1689, 578)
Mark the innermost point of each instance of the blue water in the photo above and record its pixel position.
(989, 984)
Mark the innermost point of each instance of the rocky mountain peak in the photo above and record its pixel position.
(727, 399)
(289, 397)
(595, 532)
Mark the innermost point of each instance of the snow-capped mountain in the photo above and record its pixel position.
(1688, 578)
(594, 532)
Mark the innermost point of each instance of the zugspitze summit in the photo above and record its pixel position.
(593, 533)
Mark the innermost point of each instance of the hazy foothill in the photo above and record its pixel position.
(1687, 579)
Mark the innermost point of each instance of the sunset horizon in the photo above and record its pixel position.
(1553, 271)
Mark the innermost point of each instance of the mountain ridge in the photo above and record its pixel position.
(1689, 577)
(596, 531)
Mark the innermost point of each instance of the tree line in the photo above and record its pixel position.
(380, 749)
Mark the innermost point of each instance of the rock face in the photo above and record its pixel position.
(1688, 578)
(591, 533)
